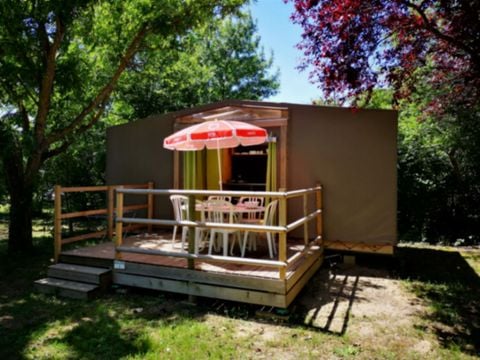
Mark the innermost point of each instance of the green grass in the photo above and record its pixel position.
(449, 283)
(153, 325)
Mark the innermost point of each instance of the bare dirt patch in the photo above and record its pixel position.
(374, 310)
(345, 312)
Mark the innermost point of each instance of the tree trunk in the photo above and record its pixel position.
(20, 225)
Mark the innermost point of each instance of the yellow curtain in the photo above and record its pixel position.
(194, 170)
(212, 170)
(271, 178)
(188, 170)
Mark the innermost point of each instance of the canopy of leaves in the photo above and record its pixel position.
(221, 60)
(60, 61)
(354, 45)
(186, 73)
(438, 172)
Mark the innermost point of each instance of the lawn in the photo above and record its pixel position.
(423, 304)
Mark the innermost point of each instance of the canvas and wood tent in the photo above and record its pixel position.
(351, 152)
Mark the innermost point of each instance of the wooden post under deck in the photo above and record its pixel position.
(282, 241)
(57, 222)
(319, 204)
(119, 224)
(150, 206)
(191, 230)
(110, 211)
(305, 213)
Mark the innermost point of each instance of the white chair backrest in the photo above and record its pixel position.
(251, 199)
(224, 198)
(270, 213)
(220, 211)
(180, 207)
(200, 206)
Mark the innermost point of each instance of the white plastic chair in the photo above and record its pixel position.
(180, 211)
(220, 211)
(200, 232)
(223, 198)
(252, 217)
(269, 219)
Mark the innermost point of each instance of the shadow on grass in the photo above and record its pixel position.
(39, 326)
(325, 304)
(452, 289)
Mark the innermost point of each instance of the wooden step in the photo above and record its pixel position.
(66, 288)
(86, 261)
(86, 274)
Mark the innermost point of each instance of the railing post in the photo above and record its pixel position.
(305, 213)
(57, 241)
(282, 241)
(150, 206)
(319, 205)
(191, 230)
(110, 211)
(119, 223)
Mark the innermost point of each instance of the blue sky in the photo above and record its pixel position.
(280, 35)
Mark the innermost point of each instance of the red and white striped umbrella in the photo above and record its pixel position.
(216, 134)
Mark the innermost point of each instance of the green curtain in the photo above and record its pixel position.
(188, 170)
(212, 174)
(194, 170)
(271, 179)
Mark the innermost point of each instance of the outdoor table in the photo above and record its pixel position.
(238, 209)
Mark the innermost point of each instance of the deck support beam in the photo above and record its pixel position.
(119, 226)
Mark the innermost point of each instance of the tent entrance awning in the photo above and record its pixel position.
(273, 118)
(247, 113)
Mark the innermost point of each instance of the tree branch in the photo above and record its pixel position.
(10, 90)
(105, 92)
(80, 130)
(430, 26)
(25, 119)
(43, 37)
(46, 86)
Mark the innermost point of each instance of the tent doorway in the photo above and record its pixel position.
(243, 168)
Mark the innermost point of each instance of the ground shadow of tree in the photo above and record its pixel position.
(85, 337)
(81, 329)
(24, 313)
(452, 289)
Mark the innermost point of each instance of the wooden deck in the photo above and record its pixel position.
(229, 281)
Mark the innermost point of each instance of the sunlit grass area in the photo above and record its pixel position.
(135, 324)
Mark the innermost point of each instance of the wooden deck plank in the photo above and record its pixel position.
(293, 292)
(196, 289)
(228, 280)
(249, 283)
(106, 251)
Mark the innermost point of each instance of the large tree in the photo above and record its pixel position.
(220, 60)
(353, 46)
(60, 61)
(428, 53)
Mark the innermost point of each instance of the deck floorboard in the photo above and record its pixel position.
(163, 242)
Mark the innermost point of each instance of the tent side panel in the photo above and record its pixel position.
(135, 154)
(354, 155)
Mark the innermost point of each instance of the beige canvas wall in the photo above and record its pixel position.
(353, 154)
(135, 154)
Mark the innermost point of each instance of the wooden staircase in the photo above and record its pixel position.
(75, 281)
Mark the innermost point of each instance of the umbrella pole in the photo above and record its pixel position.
(219, 170)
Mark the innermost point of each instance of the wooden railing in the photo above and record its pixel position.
(283, 228)
(108, 212)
